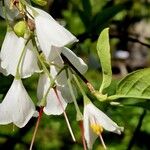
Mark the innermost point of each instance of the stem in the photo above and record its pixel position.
(103, 143)
(79, 114)
(18, 74)
(89, 85)
(82, 133)
(36, 127)
(65, 115)
(79, 85)
(43, 101)
(137, 130)
(28, 5)
(39, 58)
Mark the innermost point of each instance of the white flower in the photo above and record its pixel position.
(53, 105)
(10, 54)
(50, 34)
(17, 107)
(94, 121)
(76, 61)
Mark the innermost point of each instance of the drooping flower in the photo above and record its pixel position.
(53, 105)
(17, 107)
(58, 62)
(94, 122)
(51, 35)
(11, 52)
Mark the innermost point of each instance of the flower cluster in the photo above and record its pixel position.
(36, 43)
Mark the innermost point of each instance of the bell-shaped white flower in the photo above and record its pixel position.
(76, 61)
(51, 35)
(10, 54)
(94, 121)
(17, 107)
(54, 106)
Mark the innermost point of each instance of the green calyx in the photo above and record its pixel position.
(99, 96)
(40, 2)
(42, 103)
(20, 28)
(86, 100)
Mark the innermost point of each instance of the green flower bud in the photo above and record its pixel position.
(20, 28)
(40, 2)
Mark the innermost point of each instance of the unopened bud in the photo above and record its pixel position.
(40, 2)
(20, 28)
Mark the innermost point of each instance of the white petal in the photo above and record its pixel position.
(43, 85)
(62, 77)
(29, 63)
(77, 62)
(17, 107)
(51, 34)
(10, 54)
(54, 106)
(65, 92)
(90, 136)
(103, 119)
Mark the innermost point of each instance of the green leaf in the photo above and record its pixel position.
(134, 85)
(84, 18)
(101, 19)
(87, 8)
(145, 105)
(86, 13)
(103, 50)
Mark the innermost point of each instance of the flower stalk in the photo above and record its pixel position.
(18, 73)
(39, 58)
(36, 127)
(79, 114)
(82, 134)
(89, 85)
(65, 116)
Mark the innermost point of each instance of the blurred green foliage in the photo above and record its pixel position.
(84, 18)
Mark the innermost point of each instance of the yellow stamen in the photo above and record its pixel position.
(97, 129)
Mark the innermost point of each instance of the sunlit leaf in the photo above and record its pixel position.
(134, 85)
(103, 50)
